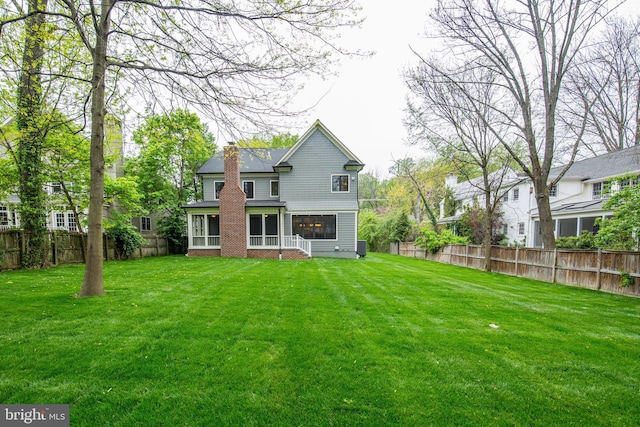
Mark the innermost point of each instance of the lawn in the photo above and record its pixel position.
(384, 340)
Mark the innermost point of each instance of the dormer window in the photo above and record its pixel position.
(339, 183)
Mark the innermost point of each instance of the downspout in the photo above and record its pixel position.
(280, 234)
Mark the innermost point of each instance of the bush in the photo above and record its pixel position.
(586, 240)
(433, 242)
(173, 228)
(126, 238)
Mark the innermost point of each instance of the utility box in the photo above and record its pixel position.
(362, 248)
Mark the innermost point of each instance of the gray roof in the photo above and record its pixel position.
(249, 203)
(615, 163)
(252, 160)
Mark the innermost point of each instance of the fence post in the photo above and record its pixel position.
(466, 255)
(555, 261)
(517, 252)
(599, 267)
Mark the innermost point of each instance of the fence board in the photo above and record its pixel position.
(66, 248)
(597, 270)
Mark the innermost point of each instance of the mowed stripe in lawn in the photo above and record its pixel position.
(381, 340)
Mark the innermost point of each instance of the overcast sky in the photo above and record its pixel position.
(363, 105)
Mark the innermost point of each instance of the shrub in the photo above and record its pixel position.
(433, 242)
(586, 240)
(126, 238)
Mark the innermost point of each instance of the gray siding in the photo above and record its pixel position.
(208, 190)
(308, 185)
(262, 187)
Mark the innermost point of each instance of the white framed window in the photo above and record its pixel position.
(339, 183)
(56, 187)
(4, 215)
(145, 223)
(197, 230)
(263, 229)
(60, 223)
(505, 197)
(71, 220)
(515, 194)
(553, 191)
(248, 187)
(521, 228)
(217, 187)
(275, 188)
(600, 190)
(315, 227)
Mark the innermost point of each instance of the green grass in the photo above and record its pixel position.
(383, 340)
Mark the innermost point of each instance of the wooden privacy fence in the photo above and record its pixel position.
(598, 270)
(67, 248)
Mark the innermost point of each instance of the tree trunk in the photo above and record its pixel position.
(31, 140)
(488, 220)
(544, 212)
(92, 284)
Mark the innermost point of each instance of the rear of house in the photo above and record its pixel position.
(278, 203)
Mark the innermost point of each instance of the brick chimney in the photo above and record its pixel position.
(233, 228)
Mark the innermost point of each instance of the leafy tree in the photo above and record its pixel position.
(622, 231)
(283, 140)
(425, 179)
(31, 135)
(172, 148)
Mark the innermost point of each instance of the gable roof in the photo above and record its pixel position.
(318, 125)
(263, 160)
(616, 163)
(252, 160)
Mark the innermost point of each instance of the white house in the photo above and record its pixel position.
(576, 200)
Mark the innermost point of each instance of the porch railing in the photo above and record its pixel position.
(297, 242)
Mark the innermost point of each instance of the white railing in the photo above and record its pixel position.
(297, 242)
(213, 241)
(262, 241)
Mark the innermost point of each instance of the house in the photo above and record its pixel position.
(510, 187)
(278, 203)
(576, 200)
(59, 214)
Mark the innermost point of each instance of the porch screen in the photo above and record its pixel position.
(314, 226)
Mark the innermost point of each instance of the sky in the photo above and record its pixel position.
(363, 105)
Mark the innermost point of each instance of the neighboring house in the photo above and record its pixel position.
(515, 201)
(576, 200)
(59, 215)
(278, 203)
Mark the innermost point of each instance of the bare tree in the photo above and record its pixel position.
(529, 45)
(608, 76)
(451, 112)
(236, 61)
